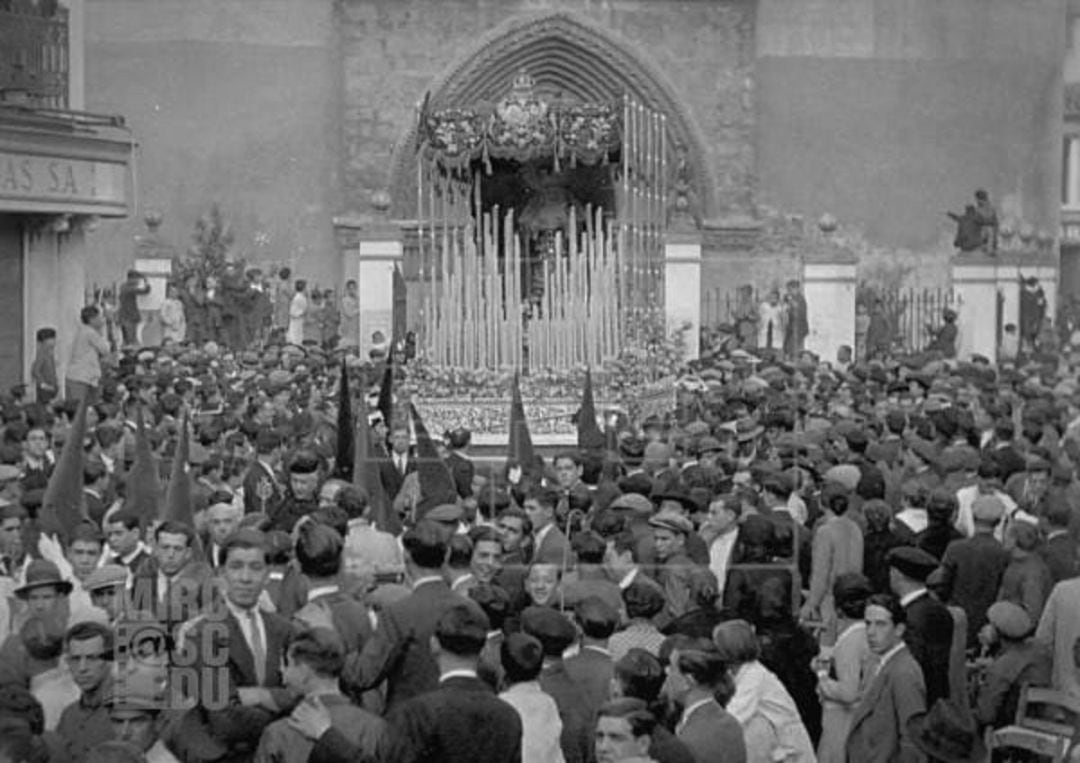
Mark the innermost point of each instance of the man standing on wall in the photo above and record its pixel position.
(796, 328)
(1032, 313)
(87, 351)
(298, 310)
(128, 313)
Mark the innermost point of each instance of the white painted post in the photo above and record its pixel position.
(829, 289)
(976, 290)
(682, 288)
(381, 250)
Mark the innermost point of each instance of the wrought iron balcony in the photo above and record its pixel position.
(33, 53)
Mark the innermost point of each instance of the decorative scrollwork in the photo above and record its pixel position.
(522, 126)
(612, 67)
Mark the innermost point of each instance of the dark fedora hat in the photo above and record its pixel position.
(39, 574)
(947, 733)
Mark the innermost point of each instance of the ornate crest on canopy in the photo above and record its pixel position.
(522, 126)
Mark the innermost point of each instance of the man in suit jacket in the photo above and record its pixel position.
(1003, 450)
(123, 532)
(928, 627)
(262, 490)
(1059, 550)
(399, 650)
(459, 721)
(400, 462)
(676, 569)
(696, 671)
(555, 634)
(592, 667)
(172, 583)
(973, 567)
(223, 518)
(837, 548)
(879, 726)
(319, 550)
(313, 662)
(95, 489)
(550, 545)
(626, 731)
(235, 701)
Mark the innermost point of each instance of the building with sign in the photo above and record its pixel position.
(62, 171)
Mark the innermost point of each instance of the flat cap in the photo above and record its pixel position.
(550, 628)
(635, 502)
(105, 577)
(912, 562)
(988, 509)
(670, 520)
(657, 451)
(847, 475)
(697, 428)
(961, 458)
(1010, 620)
(709, 444)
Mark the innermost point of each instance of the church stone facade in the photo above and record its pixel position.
(294, 115)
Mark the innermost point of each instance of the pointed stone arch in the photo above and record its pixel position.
(568, 55)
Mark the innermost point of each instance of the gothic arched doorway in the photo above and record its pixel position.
(567, 56)
(539, 173)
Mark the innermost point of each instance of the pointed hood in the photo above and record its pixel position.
(386, 394)
(346, 451)
(143, 488)
(178, 507)
(521, 446)
(365, 474)
(436, 483)
(589, 436)
(62, 507)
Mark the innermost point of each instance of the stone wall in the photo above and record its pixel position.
(395, 52)
(229, 101)
(887, 113)
(884, 113)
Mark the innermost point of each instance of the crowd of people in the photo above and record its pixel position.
(227, 555)
(234, 308)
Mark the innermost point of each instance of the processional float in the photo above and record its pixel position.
(525, 274)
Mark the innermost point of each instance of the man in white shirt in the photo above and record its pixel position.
(989, 484)
(522, 659)
(123, 534)
(897, 692)
(88, 350)
(912, 515)
(222, 519)
(253, 642)
(298, 309)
